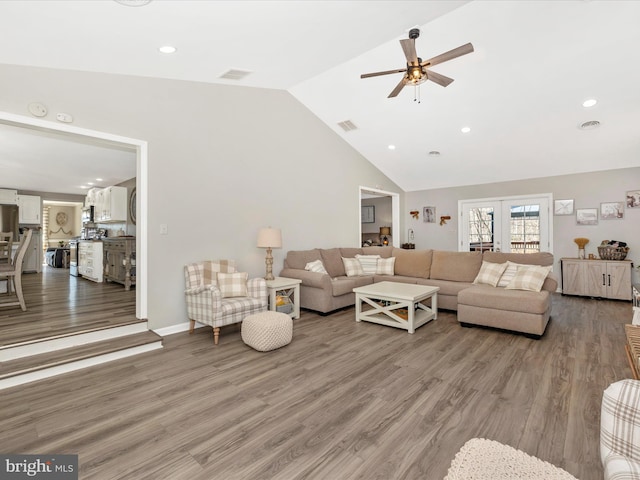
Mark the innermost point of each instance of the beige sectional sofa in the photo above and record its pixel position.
(454, 272)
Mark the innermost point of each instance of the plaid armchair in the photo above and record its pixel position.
(620, 430)
(218, 295)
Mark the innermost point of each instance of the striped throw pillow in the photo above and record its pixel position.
(386, 266)
(352, 267)
(369, 263)
(233, 284)
(315, 266)
(508, 274)
(490, 273)
(529, 277)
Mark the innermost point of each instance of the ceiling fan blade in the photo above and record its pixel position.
(409, 48)
(438, 78)
(450, 55)
(387, 72)
(396, 90)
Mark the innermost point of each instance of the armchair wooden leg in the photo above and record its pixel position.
(216, 334)
(192, 325)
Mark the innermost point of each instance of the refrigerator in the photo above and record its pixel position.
(9, 220)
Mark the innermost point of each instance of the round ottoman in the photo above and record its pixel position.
(266, 331)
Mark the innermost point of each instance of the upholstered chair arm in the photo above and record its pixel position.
(204, 303)
(257, 288)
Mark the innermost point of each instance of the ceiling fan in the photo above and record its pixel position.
(417, 71)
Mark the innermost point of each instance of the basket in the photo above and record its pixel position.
(613, 253)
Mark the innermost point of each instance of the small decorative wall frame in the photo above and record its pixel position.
(612, 210)
(587, 216)
(563, 207)
(368, 214)
(633, 199)
(429, 214)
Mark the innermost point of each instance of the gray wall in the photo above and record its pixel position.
(224, 161)
(587, 190)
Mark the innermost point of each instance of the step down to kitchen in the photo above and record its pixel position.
(24, 369)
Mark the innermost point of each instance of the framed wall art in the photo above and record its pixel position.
(633, 199)
(612, 210)
(368, 214)
(563, 207)
(429, 214)
(587, 216)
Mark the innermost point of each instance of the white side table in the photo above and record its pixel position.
(287, 287)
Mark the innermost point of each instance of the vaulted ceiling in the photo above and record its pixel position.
(520, 92)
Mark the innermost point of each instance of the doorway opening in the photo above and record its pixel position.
(379, 217)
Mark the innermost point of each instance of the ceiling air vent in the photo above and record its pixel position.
(590, 125)
(347, 125)
(235, 74)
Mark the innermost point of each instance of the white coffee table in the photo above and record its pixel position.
(396, 304)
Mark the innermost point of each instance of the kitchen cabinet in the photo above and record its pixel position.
(90, 260)
(32, 262)
(30, 208)
(111, 205)
(597, 278)
(119, 261)
(8, 197)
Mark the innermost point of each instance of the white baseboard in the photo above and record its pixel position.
(180, 327)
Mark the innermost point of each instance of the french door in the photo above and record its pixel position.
(509, 224)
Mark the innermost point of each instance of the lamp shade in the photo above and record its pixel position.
(269, 238)
(385, 230)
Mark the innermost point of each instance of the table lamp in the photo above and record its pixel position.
(384, 231)
(269, 238)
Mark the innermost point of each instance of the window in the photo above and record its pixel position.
(509, 224)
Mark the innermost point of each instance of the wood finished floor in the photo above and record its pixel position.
(58, 303)
(344, 400)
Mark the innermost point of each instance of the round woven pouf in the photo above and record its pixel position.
(266, 331)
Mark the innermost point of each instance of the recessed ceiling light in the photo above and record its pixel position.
(167, 49)
(434, 153)
(133, 3)
(589, 103)
(84, 187)
(465, 129)
(98, 179)
(391, 147)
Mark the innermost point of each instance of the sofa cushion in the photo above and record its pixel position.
(332, 261)
(352, 267)
(343, 285)
(537, 258)
(447, 287)
(299, 258)
(529, 277)
(413, 263)
(490, 273)
(497, 298)
(456, 266)
(369, 263)
(350, 252)
(384, 252)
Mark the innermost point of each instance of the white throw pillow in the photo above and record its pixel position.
(352, 267)
(386, 266)
(490, 273)
(529, 277)
(369, 263)
(233, 284)
(315, 266)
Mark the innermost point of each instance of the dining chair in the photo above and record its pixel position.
(6, 243)
(12, 272)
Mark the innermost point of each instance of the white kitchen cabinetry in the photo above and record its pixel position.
(111, 205)
(597, 278)
(90, 260)
(32, 262)
(30, 209)
(8, 197)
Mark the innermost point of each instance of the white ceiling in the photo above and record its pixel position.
(521, 91)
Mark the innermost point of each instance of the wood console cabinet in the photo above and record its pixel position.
(597, 278)
(120, 260)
